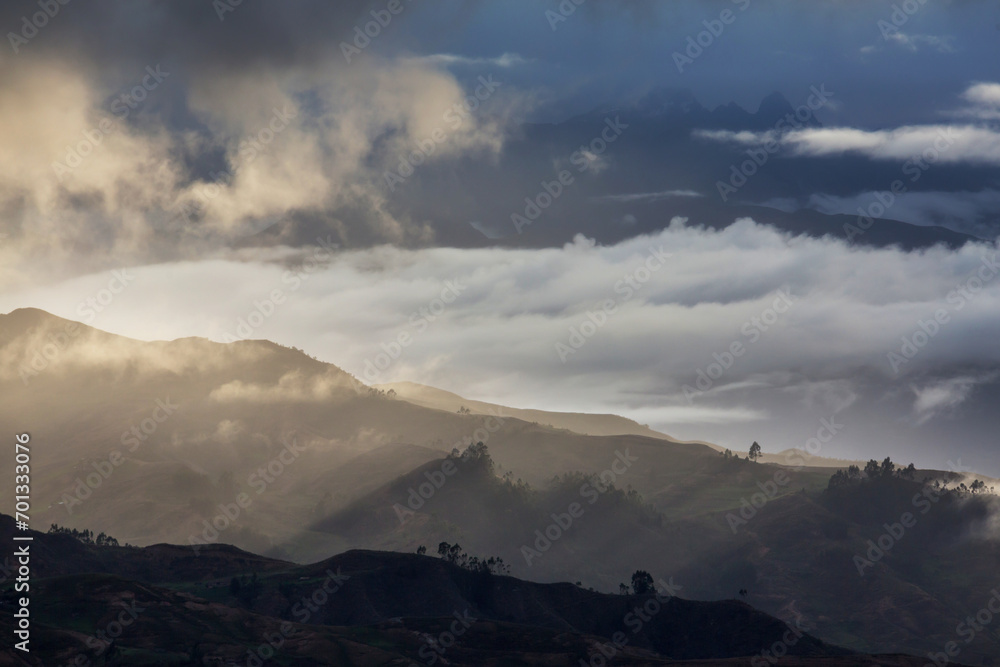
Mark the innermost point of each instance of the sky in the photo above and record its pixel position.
(159, 139)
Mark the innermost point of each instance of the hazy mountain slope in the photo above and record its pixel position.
(150, 440)
(585, 424)
(934, 574)
(617, 531)
(319, 463)
(795, 554)
(797, 457)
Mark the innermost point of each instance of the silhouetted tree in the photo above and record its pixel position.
(479, 453)
(453, 554)
(887, 468)
(421, 550)
(839, 478)
(754, 451)
(873, 471)
(449, 552)
(642, 582)
(86, 536)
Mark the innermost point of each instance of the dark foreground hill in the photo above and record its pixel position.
(166, 605)
(808, 557)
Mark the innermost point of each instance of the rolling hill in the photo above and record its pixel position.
(366, 608)
(199, 443)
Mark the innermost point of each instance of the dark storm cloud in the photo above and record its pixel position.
(605, 51)
(234, 66)
(195, 33)
(149, 130)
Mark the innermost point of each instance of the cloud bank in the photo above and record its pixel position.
(488, 324)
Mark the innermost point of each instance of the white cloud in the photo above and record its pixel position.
(913, 43)
(745, 137)
(941, 44)
(983, 94)
(941, 397)
(594, 162)
(983, 102)
(945, 143)
(951, 144)
(496, 340)
(341, 128)
(649, 196)
(450, 59)
(677, 414)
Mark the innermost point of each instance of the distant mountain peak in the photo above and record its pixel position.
(775, 104)
(667, 100)
(681, 108)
